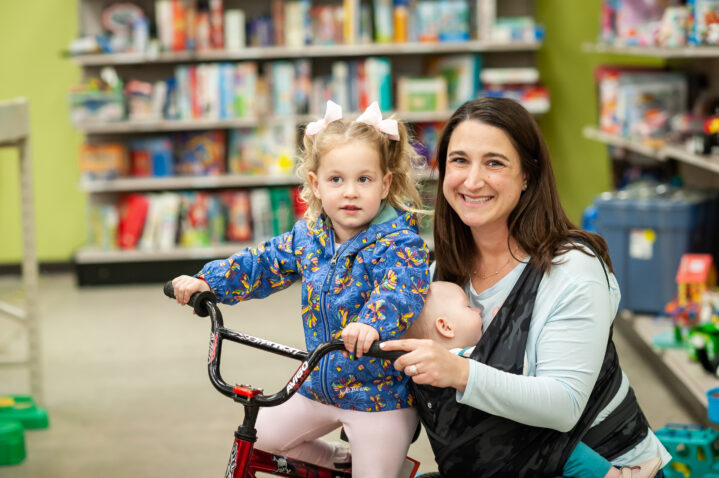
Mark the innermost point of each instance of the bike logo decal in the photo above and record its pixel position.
(282, 465)
(230, 473)
(213, 348)
(301, 372)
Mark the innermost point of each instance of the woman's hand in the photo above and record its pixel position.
(358, 338)
(430, 364)
(185, 286)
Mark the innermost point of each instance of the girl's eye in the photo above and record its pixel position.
(335, 179)
(365, 179)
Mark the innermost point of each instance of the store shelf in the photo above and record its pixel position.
(657, 52)
(687, 379)
(94, 255)
(185, 182)
(128, 127)
(308, 51)
(670, 151)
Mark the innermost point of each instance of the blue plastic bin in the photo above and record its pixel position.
(647, 237)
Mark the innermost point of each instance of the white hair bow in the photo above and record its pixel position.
(373, 117)
(333, 112)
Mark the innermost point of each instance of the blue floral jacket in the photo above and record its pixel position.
(379, 278)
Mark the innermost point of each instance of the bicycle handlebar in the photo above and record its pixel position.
(205, 303)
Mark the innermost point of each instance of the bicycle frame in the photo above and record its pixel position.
(245, 460)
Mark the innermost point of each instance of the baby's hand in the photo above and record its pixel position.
(185, 286)
(358, 338)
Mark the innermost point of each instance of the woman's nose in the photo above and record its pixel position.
(475, 177)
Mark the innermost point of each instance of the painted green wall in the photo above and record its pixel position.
(32, 35)
(581, 166)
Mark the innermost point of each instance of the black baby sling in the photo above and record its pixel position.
(468, 442)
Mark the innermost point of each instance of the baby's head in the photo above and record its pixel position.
(354, 147)
(447, 318)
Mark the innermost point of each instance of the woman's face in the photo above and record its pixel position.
(483, 177)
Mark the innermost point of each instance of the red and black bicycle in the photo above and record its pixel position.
(245, 461)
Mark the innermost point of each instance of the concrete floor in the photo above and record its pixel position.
(127, 392)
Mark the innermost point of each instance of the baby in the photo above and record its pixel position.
(450, 320)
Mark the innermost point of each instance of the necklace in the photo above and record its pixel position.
(492, 274)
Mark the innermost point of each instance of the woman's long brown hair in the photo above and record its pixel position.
(538, 222)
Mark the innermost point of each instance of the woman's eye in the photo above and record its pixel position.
(493, 163)
(457, 159)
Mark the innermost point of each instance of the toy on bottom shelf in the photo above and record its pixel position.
(694, 450)
(695, 312)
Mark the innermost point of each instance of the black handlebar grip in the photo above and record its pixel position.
(375, 351)
(197, 300)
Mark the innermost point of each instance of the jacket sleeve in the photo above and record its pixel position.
(400, 274)
(256, 272)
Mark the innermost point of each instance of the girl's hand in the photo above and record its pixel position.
(185, 286)
(429, 363)
(358, 338)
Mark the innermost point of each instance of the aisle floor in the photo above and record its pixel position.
(126, 386)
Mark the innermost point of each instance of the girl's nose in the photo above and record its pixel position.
(350, 189)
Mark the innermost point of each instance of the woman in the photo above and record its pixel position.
(545, 374)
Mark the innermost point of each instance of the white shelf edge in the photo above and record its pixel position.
(127, 126)
(660, 52)
(314, 51)
(94, 255)
(203, 182)
(185, 182)
(591, 132)
(688, 379)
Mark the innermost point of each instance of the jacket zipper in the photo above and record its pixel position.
(325, 289)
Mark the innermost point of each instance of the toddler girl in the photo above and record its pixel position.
(364, 272)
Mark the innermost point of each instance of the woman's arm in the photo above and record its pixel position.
(569, 351)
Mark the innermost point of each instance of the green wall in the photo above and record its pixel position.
(581, 166)
(32, 35)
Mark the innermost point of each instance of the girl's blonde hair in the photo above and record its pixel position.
(396, 157)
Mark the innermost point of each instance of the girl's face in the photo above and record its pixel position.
(350, 184)
(483, 177)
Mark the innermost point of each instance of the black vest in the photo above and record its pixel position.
(468, 442)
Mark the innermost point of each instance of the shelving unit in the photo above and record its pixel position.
(687, 379)
(669, 151)
(100, 266)
(15, 132)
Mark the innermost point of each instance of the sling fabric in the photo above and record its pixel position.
(468, 442)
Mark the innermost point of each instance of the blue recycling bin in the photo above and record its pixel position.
(647, 237)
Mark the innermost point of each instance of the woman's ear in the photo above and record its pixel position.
(314, 182)
(444, 327)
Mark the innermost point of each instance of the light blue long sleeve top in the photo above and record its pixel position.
(566, 343)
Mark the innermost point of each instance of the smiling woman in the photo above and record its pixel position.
(545, 374)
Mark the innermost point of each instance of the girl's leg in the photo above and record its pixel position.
(379, 440)
(293, 429)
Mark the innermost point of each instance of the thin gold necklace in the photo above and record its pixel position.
(483, 277)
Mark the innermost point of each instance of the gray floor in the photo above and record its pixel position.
(127, 391)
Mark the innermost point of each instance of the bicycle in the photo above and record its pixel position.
(245, 460)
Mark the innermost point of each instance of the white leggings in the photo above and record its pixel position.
(379, 440)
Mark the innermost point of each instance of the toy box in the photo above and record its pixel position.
(647, 233)
(201, 154)
(103, 161)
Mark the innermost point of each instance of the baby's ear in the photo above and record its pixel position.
(444, 327)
